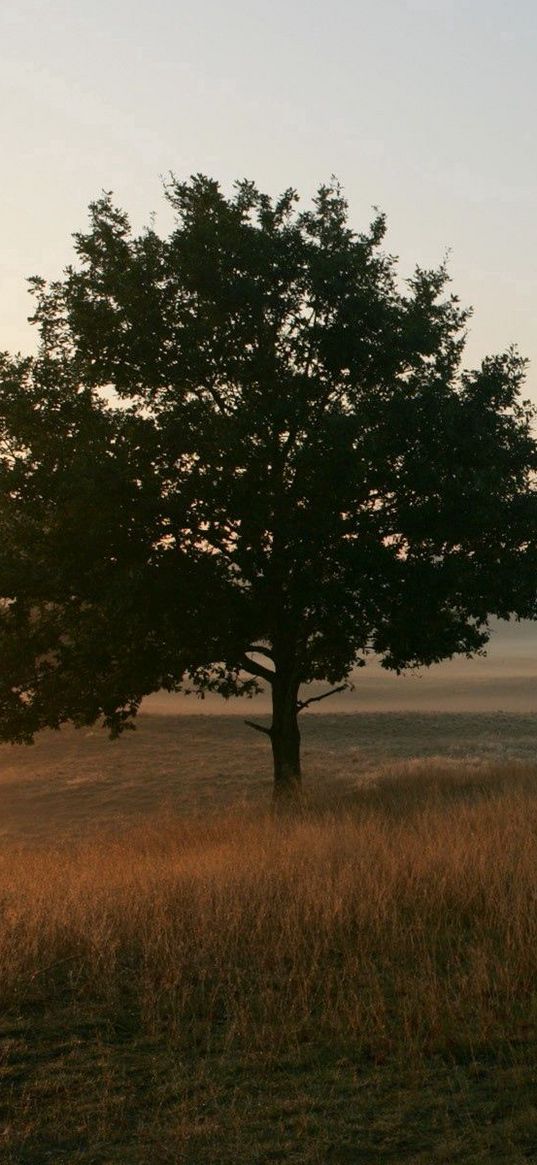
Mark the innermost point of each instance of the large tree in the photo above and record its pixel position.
(247, 454)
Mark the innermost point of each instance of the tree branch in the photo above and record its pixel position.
(217, 398)
(259, 727)
(312, 323)
(257, 669)
(315, 699)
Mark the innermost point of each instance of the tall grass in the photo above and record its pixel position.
(402, 923)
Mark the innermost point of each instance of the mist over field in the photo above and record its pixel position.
(505, 679)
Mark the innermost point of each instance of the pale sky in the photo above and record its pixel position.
(425, 108)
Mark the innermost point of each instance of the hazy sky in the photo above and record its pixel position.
(425, 108)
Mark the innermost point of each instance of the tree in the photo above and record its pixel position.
(246, 454)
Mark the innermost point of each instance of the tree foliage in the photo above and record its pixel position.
(247, 452)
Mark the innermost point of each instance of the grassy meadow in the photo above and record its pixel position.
(186, 980)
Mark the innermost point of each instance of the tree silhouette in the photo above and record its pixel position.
(245, 455)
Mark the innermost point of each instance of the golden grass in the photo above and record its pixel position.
(399, 926)
(410, 921)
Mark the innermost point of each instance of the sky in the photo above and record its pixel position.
(424, 108)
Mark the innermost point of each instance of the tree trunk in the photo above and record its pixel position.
(285, 740)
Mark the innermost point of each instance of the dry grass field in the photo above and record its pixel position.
(185, 980)
(71, 782)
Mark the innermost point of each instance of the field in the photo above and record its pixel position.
(185, 980)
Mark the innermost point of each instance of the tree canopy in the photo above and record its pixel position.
(248, 453)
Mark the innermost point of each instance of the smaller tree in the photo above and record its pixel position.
(245, 455)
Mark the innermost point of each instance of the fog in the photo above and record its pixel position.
(505, 680)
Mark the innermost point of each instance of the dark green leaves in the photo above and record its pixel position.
(249, 431)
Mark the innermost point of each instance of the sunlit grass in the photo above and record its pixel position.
(388, 931)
